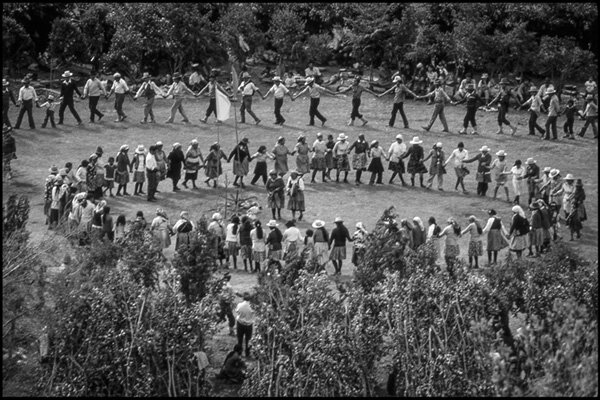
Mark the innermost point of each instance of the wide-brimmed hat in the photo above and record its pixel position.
(176, 145)
(145, 75)
(530, 160)
(124, 147)
(342, 136)
(53, 169)
(159, 143)
(276, 78)
(67, 74)
(292, 172)
(245, 75)
(338, 219)
(554, 172)
(272, 172)
(93, 156)
(504, 81)
(318, 224)
(374, 142)
(140, 149)
(569, 177)
(397, 79)
(176, 75)
(416, 140)
(116, 75)
(547, 169)
(4, 82)
(579, 182)
(533, 89)
(501, 153)
(195, 65)
(550, 90)
(399, 136)
(319, 134)
(309, 80)
(272, 223)
(484, 148)
(300, 137)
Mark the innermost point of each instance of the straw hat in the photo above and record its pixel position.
(530, 160)
(550, 90)
(140, 149)
(272, 223)
(342, 136)
(438, 145)
(504, 81)
(245, 75)
(374, 142)
(569, 177)
(53, 169)
(416, 140)
(67, 74)
(176, 145)
(484, 148)
(547, 169)
(272, 172)
(501, 153)
(318, 224)
(194, 141)
(399, 136)
(554, 172)
(319, 134)
(338, 219)
(276, 78)
(116, 75)
(159, 143)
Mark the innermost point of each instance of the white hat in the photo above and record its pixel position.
(554, 172)
(217, 217)
(159, 143)
(319, 134)
(116, 75)
(547, 169)
(67, 74)
(399, 136)
(272, 223)
(415, 140)
(124, 147)
(245, 75)
(530, 160)
(484, 148)
(397, 79)
(194, 141)
(338, 219)
(318, 224)
(342, 136)
(176, 145)
(374, 142)
(569, 177)
(438, 145)
(140, 149)
(550, 90)
(94, 155)
(276, 78)
(50, 97)
(310, 79)
(501, 153)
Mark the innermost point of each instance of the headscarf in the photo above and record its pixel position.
(161, 212)
(184, 215)
(419, 222)
(519, 210)
(100, 206)
(361, 227)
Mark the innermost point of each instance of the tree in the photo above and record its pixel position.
(16, 44)
(65, 42)
(287, 34)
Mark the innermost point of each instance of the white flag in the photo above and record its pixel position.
(223, 106)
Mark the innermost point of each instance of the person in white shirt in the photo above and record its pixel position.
(517, 171)
(535, 107)
(196, 77)
(376, 153)
(178, 89)
(27, 97)
(291, 239)
(152, 173)
(259, 249)
(248, 88)
(459, 155)
(278, 90)
(244, 316)
(395, 153)
(317, 163)
(93, 89)
(314, 91)
(149, 90)
(295, 189)
(120, 89)
(232, 240)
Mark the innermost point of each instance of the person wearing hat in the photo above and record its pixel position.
(216, 239)
(92, 90)
(80, 177)
(518, 177)
(178, 89)
(357, 91)
(500, 173)
(503, 99)
(376, 153)
(578, 213)
(67, 89)
(247, 87)
(279, 91)
(52, 197)
(543, 185)
(567, 189)
(473, 101)
(494, 228)
(280, 151)
(213, 166)
(9, 149)
(321, 243)
(314, 91)
(536, 233)
(542, 92)
(192, 162)
(432, 79)
(273, 241)
(519, 231)
(84, 214)
(7, 97)
(152, 172)
(50, 106)
(535, 106)
(475, 241)
(522, 91)
(211, 87)
(591, 116)
(275, 193)
(532, 174)
(437, 165)
(99, 173)
(196, 78)
(148, 90)
(138, 166)
(241, 159)
(318, 163)
(483, 177)
(570, 111)
(185, 229)
(415, 162)
(175, 161)
(459, 155)
(161, 228)
(555, 187)
(396, 165)
(553, 110)
(295, 190)
(338, 238)
(161, 161)
(123, 168)
(291, 239)
(484, 87)
(302, 160)
(452, 232)
(440, 97)
(120, 89)
(90, 177)
(340, 153)
(400, 91)
(27, 97)
(359, 158)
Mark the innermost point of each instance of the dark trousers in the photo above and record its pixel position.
(148, 109)
(533, 125)
(119, 100)
(26, 106)
(379, 177)
(355, 113)
(568, 126)
(93, 104)
(314, 112)
(256, 176)
(175, 177)
(61, 110)
(5, 119)
(244, 332)
(438, 110)
(226, 312)
(470, 117)
(152, 183)
(398, 107)
(278, 117)
(482, 188)
(502, 111)
(212, 107)
(247, 106)
(590, 121)
(551, 124)
(49, 117)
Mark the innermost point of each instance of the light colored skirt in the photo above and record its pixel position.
(519, 243)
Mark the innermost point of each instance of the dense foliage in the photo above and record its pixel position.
(556, 39)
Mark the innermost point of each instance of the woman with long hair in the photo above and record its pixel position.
(519, 231)
(452, 232)
(475, 244)
(259, 250)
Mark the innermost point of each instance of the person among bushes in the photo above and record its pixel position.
(97, 231)
(161, 228)
(452, 232)
(216, 240)
(419, 234)
(185, 229)
(119, 228)
(107, 225)
(339, 236)
(245, 321)
(226, 298)
(139, 222)
(358, 243)
(246, 241)
(406, 233)
(232, 240)
(273, 242)
(519, 231)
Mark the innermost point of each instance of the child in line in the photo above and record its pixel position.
(109, 176)
(49, 105)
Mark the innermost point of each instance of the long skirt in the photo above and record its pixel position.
(375, 165)
(397, 167)
(495, 241)
(281, 166)
(342, 163)
(475, 248)
(359, 161)
(191, 171)
(416, 167)
(164, 237)
(139, 176)
(330, 161)
(321, 252)
(537, 237)
(296, 202)
(452, 250)
(338, 253)
(213, 171)
(121, 178)
(302, 164)
(276, 200)
(240, 168)
(519, 243)
(318, 163)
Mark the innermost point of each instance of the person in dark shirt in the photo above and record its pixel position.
(484, 176)
(176, 158)
(273, 241)
(67, 88)
(338, 238)
(241, 160)
(7, 97)
(473, 101)
(503, 99)
(570, 111)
